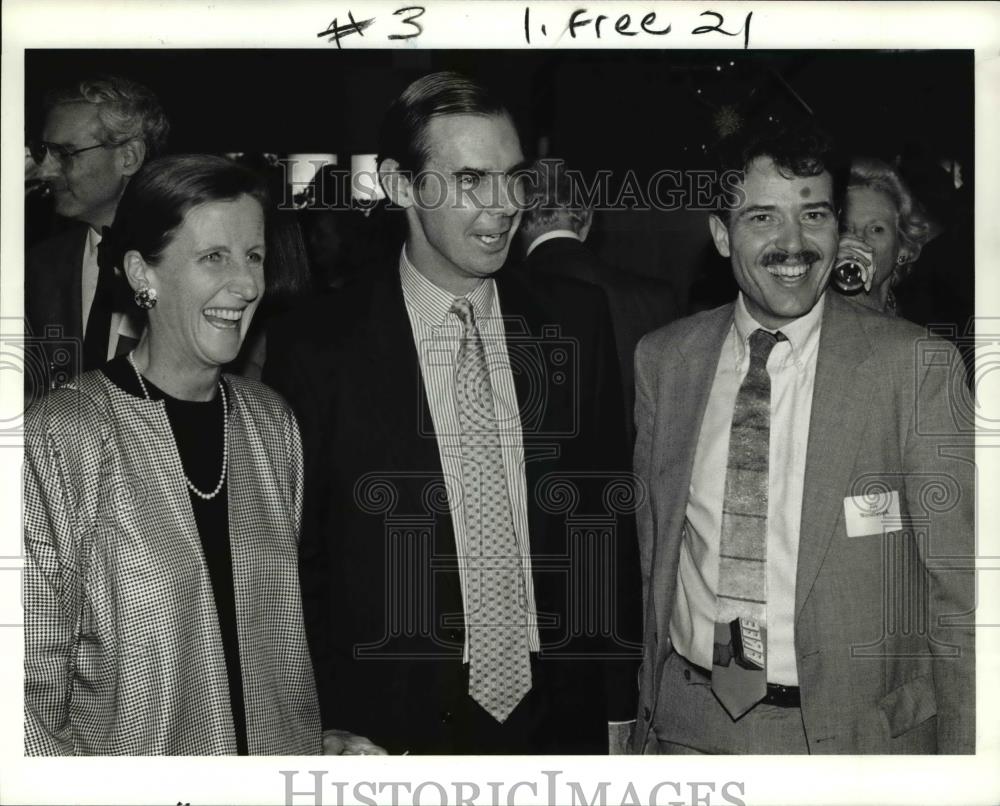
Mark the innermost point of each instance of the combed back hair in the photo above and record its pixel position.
(127, 110)
(914, 226)
(554, 191)
(800, 150)
(403, 135)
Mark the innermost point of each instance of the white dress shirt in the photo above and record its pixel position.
(792, 369)
(437, 334)
(121, 323)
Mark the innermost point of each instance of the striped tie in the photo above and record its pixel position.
(499, 663)
(739, 671)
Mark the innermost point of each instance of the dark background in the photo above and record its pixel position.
(639, 111)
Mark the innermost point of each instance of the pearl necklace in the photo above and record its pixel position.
(225, 435)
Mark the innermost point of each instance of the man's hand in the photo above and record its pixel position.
(619, 734)
(342, 743)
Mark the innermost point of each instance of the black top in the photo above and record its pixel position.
(197, 429)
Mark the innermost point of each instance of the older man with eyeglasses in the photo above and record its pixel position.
(96, 136)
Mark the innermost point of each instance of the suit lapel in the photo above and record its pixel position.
(56, 296)
(523, 323)
(73, 268)
(686, 395)
(682, 398)
(387, 356)
(840, 409)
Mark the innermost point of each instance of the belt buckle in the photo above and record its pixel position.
(782, 696)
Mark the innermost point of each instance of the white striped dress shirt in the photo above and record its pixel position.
(437, 333)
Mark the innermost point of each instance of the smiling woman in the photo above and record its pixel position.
(162, 505)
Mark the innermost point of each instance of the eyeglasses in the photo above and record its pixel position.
(39, 149)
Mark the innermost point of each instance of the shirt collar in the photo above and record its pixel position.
(802, 333)
(93, 240)
(433, 304)
(548, 236)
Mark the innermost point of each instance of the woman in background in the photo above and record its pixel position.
(885, 225)
(162, 505)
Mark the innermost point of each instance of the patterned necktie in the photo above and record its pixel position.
(499, 663)
(739, 670)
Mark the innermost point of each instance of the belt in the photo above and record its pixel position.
(777, 694)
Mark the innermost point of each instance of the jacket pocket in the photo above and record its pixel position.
(909, 705)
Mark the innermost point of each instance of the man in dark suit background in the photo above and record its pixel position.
(553, 233)
(96, 135)
(460, 452)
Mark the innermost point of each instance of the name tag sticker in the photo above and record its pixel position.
(872, 514)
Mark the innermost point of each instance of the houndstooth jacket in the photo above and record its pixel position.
(123, 653)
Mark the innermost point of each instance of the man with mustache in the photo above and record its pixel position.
(97, 135)
(804, 593)
(456, 424)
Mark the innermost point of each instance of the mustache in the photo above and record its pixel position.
(778, 258)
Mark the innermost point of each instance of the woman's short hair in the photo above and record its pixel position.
(914, 227)
(164, 190)
(402, 136)
(159, 196)
(127, 110)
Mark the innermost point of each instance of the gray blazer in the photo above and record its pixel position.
(883, 630)
(123, 654)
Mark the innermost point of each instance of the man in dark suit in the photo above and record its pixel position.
(808, 540)
(469, 569)
(95, 137)
(554, 230)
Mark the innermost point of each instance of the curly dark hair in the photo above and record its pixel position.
(802, 149)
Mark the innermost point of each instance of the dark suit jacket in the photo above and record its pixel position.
(53, 298)
(637, 304)
(381, 592)
(883, 622)
(52, 303)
